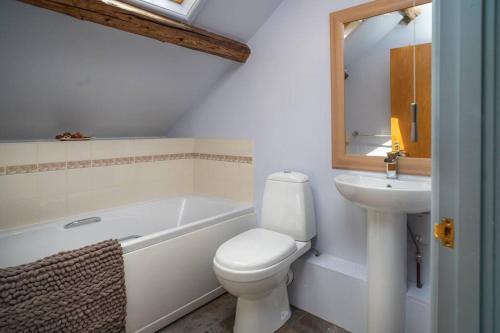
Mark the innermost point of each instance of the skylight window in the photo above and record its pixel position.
(184, 10)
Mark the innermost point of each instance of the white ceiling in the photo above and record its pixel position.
(59, 73)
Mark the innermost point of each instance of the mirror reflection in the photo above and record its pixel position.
(387, 62)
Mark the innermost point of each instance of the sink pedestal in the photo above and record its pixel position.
(386, 258)
(387, 201)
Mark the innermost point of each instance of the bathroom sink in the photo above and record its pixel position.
(387, 202)
(386, 195)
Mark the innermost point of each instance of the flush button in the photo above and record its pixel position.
(287, 171)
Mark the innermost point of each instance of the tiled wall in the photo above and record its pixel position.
(223, 178)
(41, 181)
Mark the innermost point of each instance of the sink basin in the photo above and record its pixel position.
(387, 201)
(386, 195)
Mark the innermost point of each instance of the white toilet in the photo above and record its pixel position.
(254, 265)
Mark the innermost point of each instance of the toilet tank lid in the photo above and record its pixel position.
(288, 176)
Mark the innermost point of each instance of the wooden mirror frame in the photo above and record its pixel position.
(340, 158)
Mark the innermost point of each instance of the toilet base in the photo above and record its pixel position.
(264, 314)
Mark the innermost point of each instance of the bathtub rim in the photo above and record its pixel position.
(238, 209)
(164, 235)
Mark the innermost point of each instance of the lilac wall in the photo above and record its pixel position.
(281, 99)
(63, 74)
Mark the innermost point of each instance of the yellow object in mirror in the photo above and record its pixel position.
(402, 97)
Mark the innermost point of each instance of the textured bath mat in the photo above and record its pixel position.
(74, 291)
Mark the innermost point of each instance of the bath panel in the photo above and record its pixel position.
(168, 247)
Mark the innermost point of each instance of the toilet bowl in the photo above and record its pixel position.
(259, 282)
(254, 265)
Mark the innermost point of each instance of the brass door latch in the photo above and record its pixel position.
(445, 232)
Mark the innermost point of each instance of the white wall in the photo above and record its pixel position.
(60, 73)
(281, 99)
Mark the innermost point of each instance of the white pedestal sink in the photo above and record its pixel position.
(388, 201)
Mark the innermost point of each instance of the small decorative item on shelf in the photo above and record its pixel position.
(68, 136)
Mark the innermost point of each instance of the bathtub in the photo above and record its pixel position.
(168, 248)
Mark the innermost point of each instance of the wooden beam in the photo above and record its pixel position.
(128, 18)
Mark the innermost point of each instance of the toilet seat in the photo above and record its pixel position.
(280, 255)
(255, 249)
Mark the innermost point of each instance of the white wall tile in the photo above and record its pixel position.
(236, 147)
(22, 186)
(123, 174)
(51, 183)
(79, 150)
(80, 202)
(19, 212)
(224, 179)
(4, 193)
(80, 180)
(52, 152)
(102, 149)
(178, 145)
(18, 153)
(42, 196)
(141, 147)
(150, 171)
(52, 207)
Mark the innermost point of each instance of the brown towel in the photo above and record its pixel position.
(74, 291)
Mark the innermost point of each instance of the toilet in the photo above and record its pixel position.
(254, 266)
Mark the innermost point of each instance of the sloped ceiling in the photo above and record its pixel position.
(59, 73)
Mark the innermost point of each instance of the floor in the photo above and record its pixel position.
(218, 317)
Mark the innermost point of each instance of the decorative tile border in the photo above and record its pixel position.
(19, 169)
(54, 166)
(225, 158)
(162, 157)
(143, 159)
(103, 162)
(124, 160)
(79, 164)
(51, 166)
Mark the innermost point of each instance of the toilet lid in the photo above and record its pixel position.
(255, 249)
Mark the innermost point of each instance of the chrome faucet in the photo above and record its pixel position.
(391, 162)
(391, 165)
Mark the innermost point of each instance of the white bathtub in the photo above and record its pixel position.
(168, 269)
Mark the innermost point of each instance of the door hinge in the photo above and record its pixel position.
(445, 232)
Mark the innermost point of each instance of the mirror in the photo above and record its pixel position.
(381, 85)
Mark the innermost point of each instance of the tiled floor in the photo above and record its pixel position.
(218, 317)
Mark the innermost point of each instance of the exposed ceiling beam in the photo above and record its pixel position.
(128, 18)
